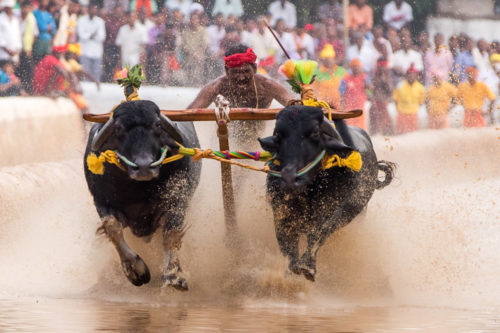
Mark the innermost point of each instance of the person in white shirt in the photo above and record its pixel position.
(250, 28)
(91, 35)
(131, 39)
(404, 58)
(182, 5)
(143, 21)
(482, 59)
(215, 34)
(304, 42)
(363, 50)
(287, 41)
(10, 33)
(228, 7)
(262, 41)
(397, 14)
(285, 10)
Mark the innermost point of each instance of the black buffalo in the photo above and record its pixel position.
(143, 194)
(319, 201)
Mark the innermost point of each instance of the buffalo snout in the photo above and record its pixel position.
(143, 171)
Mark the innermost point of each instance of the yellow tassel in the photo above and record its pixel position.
(96, 164)
(353, 161)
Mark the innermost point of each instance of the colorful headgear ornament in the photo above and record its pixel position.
(75, 48)
(328, 52)
(471, 71)
(308, 27)
(239, 59)
(355, 63)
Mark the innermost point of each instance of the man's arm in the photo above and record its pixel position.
(206, 95)
(276, 90)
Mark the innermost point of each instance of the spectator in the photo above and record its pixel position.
(194, 45)
(285, 10)
(66, 26)
(471, 95)
(482, 59)
(438, 60)
(228, 7)
(397, 14)
(216, 33)
(288, 41)
(364, 51)
(29, 30)
(329, 77)
(250, 29)
(149, 7)
(405, 58)
(380, 122)
(171, 72)
(154, 54)
(91, 35)
(262, 41)
(9, 83)
(393, 38)
(360, 15)
(331, 9)
(182, 5)
(463, 59)
(353, 90)
(423, 42)
(143, 21)
(114, 20)
(10, 33)
(46, 27)
(304, 42)
(131, 39)
(438, 100)
(50, 74)
(110, 5)
(383, 47)
(408, 96)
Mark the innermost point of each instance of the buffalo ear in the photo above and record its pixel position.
(269, 144)
(334, 146)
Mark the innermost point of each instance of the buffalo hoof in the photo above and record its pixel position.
(299, 267)
(136, 271)
(176, 282)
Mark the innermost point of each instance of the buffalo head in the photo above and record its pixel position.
(300, 137)
(139, 134)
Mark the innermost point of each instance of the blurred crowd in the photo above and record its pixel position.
(48, 46)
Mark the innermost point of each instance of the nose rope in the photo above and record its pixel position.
(302, 171)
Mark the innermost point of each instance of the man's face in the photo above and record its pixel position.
(195, 21)
(360, 3)
(219, 20)
(131, 18)
(436, 80)
(93, 10)
(241, 76)
(411, 77)
(438, 40)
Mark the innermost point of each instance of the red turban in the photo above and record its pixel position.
(59, 49)
(239, 59)
(472, 71)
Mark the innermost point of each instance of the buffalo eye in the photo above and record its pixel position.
(157, 130)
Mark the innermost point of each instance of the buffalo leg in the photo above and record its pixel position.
(133, 266)
(288, 241)
(172, 241)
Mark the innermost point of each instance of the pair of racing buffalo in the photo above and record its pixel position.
(143, 194)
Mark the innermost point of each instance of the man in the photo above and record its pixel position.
(329, 77)
(360, 16)
(464, 59)
(380, 122)
(353, 89)
(131, 39)
(216, 33)
(91, 35)
(194, 45)
(438, 100)
(408, 97)
(46, 27)
(10, 33)
(304, 41)
(363, 50)
(331, 10)
(439, 60)
(243, 88)
(405, 58)
(115, 19)
(50, 74)
(398, 14)
(288, 41)
(228, 7)
(29, 30)
(282, 9)
(471, 95)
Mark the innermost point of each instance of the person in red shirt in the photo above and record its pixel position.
(50, 74)
(354, 92)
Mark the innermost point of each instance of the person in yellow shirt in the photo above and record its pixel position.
(438, 101)
(329, 77)
(471, 95)
(408, 97)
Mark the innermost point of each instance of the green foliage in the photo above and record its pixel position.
(134, 77)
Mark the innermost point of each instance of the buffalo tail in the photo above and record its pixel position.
(389, 168)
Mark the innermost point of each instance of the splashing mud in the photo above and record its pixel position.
(430, 239)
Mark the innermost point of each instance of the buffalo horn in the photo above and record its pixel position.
(102, 134)
(170, 128)
(329, 130)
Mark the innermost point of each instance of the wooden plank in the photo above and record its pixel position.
(234, 114)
